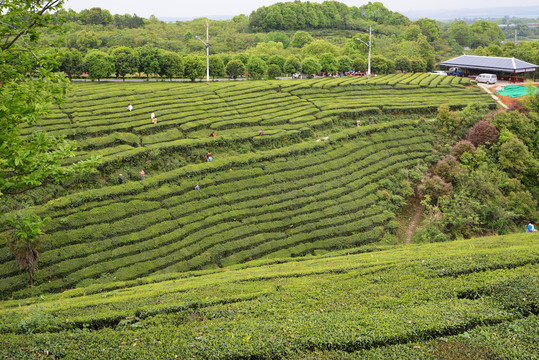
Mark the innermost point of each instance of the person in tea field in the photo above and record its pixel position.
(531, 227)
(154, 121)
(197, 188)
(370, 120)
(212, 134)
(260, 133)
(120, 179)
(358, 123)
(129, 107)
(152, 115)
(142, 174)
(208, 157)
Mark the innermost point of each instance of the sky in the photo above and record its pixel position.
(206, 8)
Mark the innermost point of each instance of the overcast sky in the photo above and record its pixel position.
(206, 8)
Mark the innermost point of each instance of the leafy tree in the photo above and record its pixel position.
(418, 65)
(403, 64)
(483, 133)
(515, 158)
(243, 57)
(125, 60)
(29, 88)
(460, 32)
(98, 16)
(278, 60)
(278, 36)
(426, 52)
(311, 66)
(301, 38)
(411, 32)
(71, 62)
(274, 18)
(194, 67)
(274, 71)
(99, 64)
(217, 66)
(292, 65)
(24, 240)
(518, 124)
(149, 60)
(485, 33)
(429, 28)
(462, 147)
(172, 65)
(87, 40)
(235, 68)
(376, 12)
(434, 187)
(256, 67)
(360, 64)
(345, 64)
(381, 65)
(447, 121)
(328, 63)
(319, 47)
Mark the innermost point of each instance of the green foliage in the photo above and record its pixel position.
(24, 240)
(328, 63)
(172, 65)
(256, 67)
(317, 48)
(301, 38)
(278, 60)
(274, 71)
(483, 133)
(311, 65)
(125, 60)
(292, 65)
(417, 301)
(71, 62)
(99, 64)
(217, 66)
(194, 67)
(149, 60)
(235, 68)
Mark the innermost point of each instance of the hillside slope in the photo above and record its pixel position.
(285, 193)
(472, 299)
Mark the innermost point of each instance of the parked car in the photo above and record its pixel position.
(438, 73)
(296, 76)
(487, 78)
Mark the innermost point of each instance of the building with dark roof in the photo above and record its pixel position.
(491, 64)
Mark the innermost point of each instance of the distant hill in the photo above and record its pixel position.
(524, 11)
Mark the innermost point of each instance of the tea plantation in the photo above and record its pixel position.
(308, 185)
(469, 299)
(280, 253)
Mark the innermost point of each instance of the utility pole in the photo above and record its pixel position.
(369, 46)
(515, 37)
(207, 44)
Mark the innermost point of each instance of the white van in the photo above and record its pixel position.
(487, 78)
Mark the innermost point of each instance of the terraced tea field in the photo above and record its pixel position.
(470, 299)
(308, 185)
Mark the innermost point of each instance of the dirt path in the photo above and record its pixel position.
(487, 89)
(418, 211)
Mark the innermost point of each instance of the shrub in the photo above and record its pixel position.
(434, 187)
(463, 146)
(483, 133)
(446, 168)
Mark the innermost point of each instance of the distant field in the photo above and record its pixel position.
(309, 185)
(471, 299)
